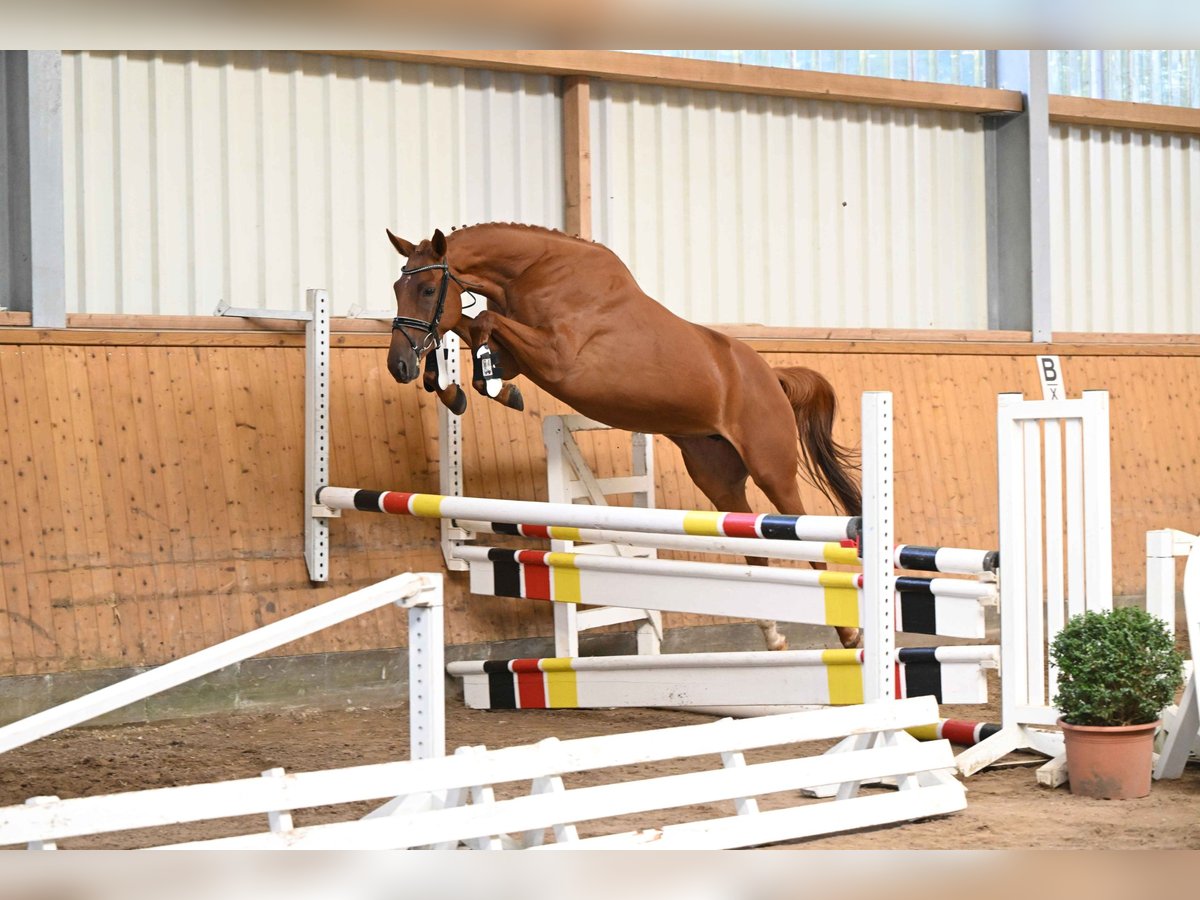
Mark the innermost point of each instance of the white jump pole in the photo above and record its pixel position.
(666, 521)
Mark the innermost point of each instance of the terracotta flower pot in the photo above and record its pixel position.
(1109, 762)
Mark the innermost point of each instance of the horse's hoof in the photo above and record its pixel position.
(458, 406)
(514, 400)
(851, 638)
(780, 644)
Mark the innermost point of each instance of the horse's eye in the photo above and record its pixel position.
(427, 291)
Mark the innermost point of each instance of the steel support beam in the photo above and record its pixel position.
(32, 254)
(1017, 160)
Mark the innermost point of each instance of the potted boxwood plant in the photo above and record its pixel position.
(1117, 670)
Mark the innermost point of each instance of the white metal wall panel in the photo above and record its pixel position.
(251, 176)
(1125, 243)
(739, 208)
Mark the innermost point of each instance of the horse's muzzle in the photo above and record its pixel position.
(403, 369)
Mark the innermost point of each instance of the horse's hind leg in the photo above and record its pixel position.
(721, 475)
(773, 462)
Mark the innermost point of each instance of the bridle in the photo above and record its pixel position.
(432, 338)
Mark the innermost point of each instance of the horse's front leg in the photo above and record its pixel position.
(494, 365)
(453, 397)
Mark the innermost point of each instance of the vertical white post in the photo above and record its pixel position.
(1055, 530)
(1097, 499)
(558, 483)
(316, 434)
(1160, 575)
(1035, 589)
(1010, 448)
(1183, 735)
(649, 633)
(643, 467)
(279, 821)
(450, 464)
(878, 541)
(427, 671)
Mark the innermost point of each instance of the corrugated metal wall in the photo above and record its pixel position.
(739, 208)
(250, 176)
(1125, 238)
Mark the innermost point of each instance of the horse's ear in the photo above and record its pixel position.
(439, 243)
(403, 247)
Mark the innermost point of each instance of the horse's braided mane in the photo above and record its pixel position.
(541, 229)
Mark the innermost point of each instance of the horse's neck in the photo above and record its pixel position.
(498, 258)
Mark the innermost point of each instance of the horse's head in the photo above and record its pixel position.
(428, 304)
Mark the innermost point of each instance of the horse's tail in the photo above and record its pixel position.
(825, 462)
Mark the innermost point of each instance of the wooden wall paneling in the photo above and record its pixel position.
(152, 569)
(350, 457)
(65, 485)
(282, 451)
(203, 519)
(514, 451)
(296, 593)
(369, 464)
(240, 499)
(14, 601)
(125, 606)
(165, 468)
(223, 530)
(1160, 389)
(215, 544)
(54, 550)
(926, 442)
(405, 456)
(180, 510)
(91, 509)
(29, 630)
(250, 412)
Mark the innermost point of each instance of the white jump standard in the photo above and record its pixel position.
(787, 595)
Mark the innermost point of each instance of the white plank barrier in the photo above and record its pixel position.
(1162, 548)
(421, 594)
(473, 816)
(1183, 724)
(729, 679)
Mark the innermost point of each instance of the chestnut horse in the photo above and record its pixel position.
(567, 314)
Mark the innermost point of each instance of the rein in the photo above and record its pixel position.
(432, 338)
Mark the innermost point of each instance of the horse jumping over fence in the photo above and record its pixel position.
(567, 314)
